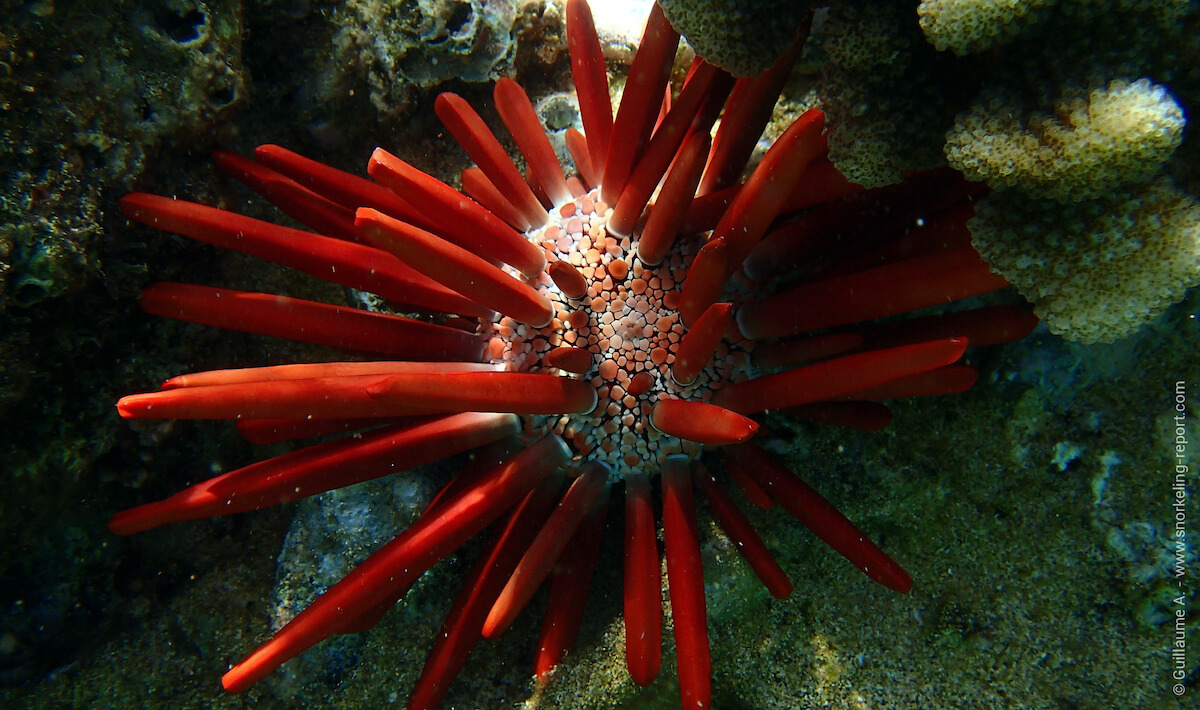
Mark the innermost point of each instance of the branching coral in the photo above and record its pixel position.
(889, 94)
(1088, 144)
(968, 26)
(1059, 101)
(1085, 102)
(1097, 270)
(971, 26)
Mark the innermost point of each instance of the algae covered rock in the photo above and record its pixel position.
(395, 47)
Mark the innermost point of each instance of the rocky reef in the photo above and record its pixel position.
(392, 49)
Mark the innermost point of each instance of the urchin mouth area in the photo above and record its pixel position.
(617, 327)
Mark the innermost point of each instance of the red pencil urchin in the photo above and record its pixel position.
(607, 344)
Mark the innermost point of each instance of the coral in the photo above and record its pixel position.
(887, 92)
(971, 26)
(601, 355)
(893, 96)
(1095, 270)
(742, 38)
(1082, 102)
(1089, 143)
(968, 26)
(77, 123)
(392, 49)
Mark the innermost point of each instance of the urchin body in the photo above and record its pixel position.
(585, 344)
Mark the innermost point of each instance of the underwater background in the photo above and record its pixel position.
(1038, 513)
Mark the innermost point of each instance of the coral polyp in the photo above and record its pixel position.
(604, 331)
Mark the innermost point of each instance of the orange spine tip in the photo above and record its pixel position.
(700, 342)
(701, 422)
(568, 279)
(577, 360)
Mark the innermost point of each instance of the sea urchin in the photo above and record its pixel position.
(595, 342)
